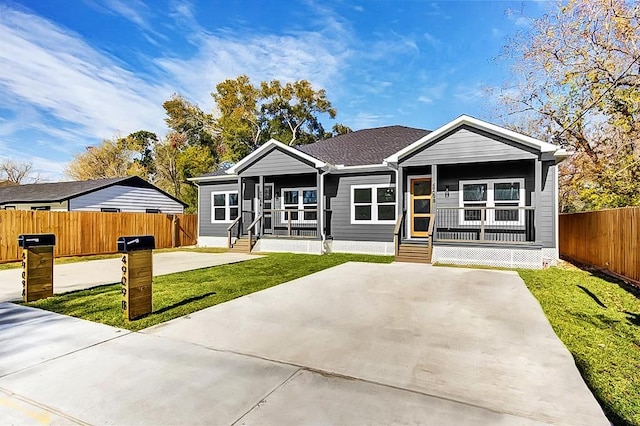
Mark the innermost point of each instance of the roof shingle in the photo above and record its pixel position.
(60, 191)
(368, 146)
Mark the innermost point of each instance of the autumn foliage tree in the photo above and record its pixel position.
(577, 82)
(245, 117)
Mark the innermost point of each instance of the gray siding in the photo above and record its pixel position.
(451, 175)
(546, 208)
(127, 199)
(468, 145)
(277, 162)
(338, 193)
(208, 229)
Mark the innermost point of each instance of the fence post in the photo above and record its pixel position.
(175, 228)
(483, 212)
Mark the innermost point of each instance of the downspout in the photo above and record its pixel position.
(323, 235)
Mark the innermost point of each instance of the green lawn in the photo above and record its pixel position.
(182, 293)
(599, 322)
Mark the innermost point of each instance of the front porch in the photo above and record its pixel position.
(283, 207)
(485, 206)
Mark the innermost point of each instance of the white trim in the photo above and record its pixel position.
(341, 167)
(374, 204)
(199, 217)
(556, 222)
(300, 204)
(212, 178)
(266, 147)
(227, 207)
(490, 202)
(410, 205)
(479, 124)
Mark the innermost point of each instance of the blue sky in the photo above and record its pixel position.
(73, 72)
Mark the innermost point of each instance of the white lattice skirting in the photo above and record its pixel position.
(495, 256)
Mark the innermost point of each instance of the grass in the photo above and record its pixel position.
(73, 259)
(599, 322)
(183, 293)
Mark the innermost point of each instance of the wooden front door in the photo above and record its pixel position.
(420, 207)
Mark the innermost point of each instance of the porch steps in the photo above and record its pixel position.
(241, 245)
(413, 253)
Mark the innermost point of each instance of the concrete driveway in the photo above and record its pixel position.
(355, 344)
(81, 275)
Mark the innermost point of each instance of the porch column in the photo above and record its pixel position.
(538, 188)
(240, 203)
(434, 196)
(400, 191)
(260, 206)
(319, 204)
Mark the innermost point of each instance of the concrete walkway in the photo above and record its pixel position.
(81, 275)
(355, 344)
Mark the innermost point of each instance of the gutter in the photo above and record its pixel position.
(323, 235)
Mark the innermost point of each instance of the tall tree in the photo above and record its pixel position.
(249, 115)
(577, 79)
(242, 128)
(106, 160)
(292, 111)
(17, 172)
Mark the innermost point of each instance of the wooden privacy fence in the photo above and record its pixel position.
(85, 233)
(606, 239)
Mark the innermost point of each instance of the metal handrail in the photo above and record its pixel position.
(396, 232)
(234, 223)
(250, 230)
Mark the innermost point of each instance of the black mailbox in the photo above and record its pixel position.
(134, 243)
(36, 240)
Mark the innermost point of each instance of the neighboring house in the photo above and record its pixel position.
(469, 192)
(123, 194)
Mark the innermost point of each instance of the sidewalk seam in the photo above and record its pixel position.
(264, 398)
(43, 407)
(347, 377)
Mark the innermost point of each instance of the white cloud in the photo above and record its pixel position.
(432, 93)
(54, 71)
(433, 41)
(365, 120)
(303, 55)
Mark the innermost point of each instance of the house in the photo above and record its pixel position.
(122, 194)
(469, 192)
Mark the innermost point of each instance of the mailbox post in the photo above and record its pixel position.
(137, 274)
(37, 265)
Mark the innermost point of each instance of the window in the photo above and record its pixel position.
(109, 210)
(492, 193)
(41, 208)
(224, 206)
(303, 200)
(373, 204)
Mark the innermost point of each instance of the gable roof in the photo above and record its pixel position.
(62, 191)
(481, 125)
(266, 147)
(364, 147)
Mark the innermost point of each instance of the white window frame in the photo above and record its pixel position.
(227, 206)
(490, 214)
(374, 204)
(300, 205)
